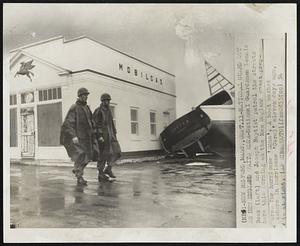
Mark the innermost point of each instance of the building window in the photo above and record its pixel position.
(113, 113)
(50, 94)
(13, 128)
(12, 99)
(153, 123)
(134, 121)
(49, 121)
(27, 97)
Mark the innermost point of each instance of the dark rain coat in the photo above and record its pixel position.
(79, 123)
(105, 128)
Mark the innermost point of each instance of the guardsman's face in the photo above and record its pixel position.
(84, 97)
(106, 102)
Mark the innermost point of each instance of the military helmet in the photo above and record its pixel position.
(82, 91)
(105, 96)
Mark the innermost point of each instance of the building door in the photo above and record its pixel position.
(27, 132)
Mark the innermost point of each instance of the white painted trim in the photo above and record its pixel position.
(49, 101)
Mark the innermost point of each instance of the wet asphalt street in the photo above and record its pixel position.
(156, 195)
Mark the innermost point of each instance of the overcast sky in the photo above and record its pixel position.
(167, 36)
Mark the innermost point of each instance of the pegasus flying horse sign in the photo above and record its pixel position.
(25, 69)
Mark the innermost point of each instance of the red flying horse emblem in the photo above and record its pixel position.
(24, 69)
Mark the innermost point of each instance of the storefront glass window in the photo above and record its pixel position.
(49, 123)
(50, 94)
(13, 128)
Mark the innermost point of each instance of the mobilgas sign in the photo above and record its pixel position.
(139, 73)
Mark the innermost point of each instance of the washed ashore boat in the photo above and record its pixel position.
(210, 127)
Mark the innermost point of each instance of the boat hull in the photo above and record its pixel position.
(185, 131)
(209, 128)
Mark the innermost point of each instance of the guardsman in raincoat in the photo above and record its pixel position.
(109, 147)
(77, 135)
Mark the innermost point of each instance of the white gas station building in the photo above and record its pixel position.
(143, 96)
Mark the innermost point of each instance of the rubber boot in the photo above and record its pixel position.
(81, 181)
(109, 171)
(102, 176)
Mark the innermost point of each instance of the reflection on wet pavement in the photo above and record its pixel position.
(144, 195)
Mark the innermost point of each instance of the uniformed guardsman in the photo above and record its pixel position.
(109, 147)
(77, 135)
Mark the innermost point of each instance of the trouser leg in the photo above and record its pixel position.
(79, 166)
(100, 165)
(112, 160)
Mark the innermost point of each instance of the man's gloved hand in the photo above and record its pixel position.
(101, 140)
(75, 140)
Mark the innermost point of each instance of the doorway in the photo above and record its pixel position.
(27, 132)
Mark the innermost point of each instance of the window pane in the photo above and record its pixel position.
(10, 100)
(13, 128)
(112, 109)
(133, 113)
(49, 94)
(32, 100)
(49, 124)
(152, 117)
(45, 95)
(40, 95)
(153, 129)
(22, 98)
(54, 94)
(59, 93)
(134, 128)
